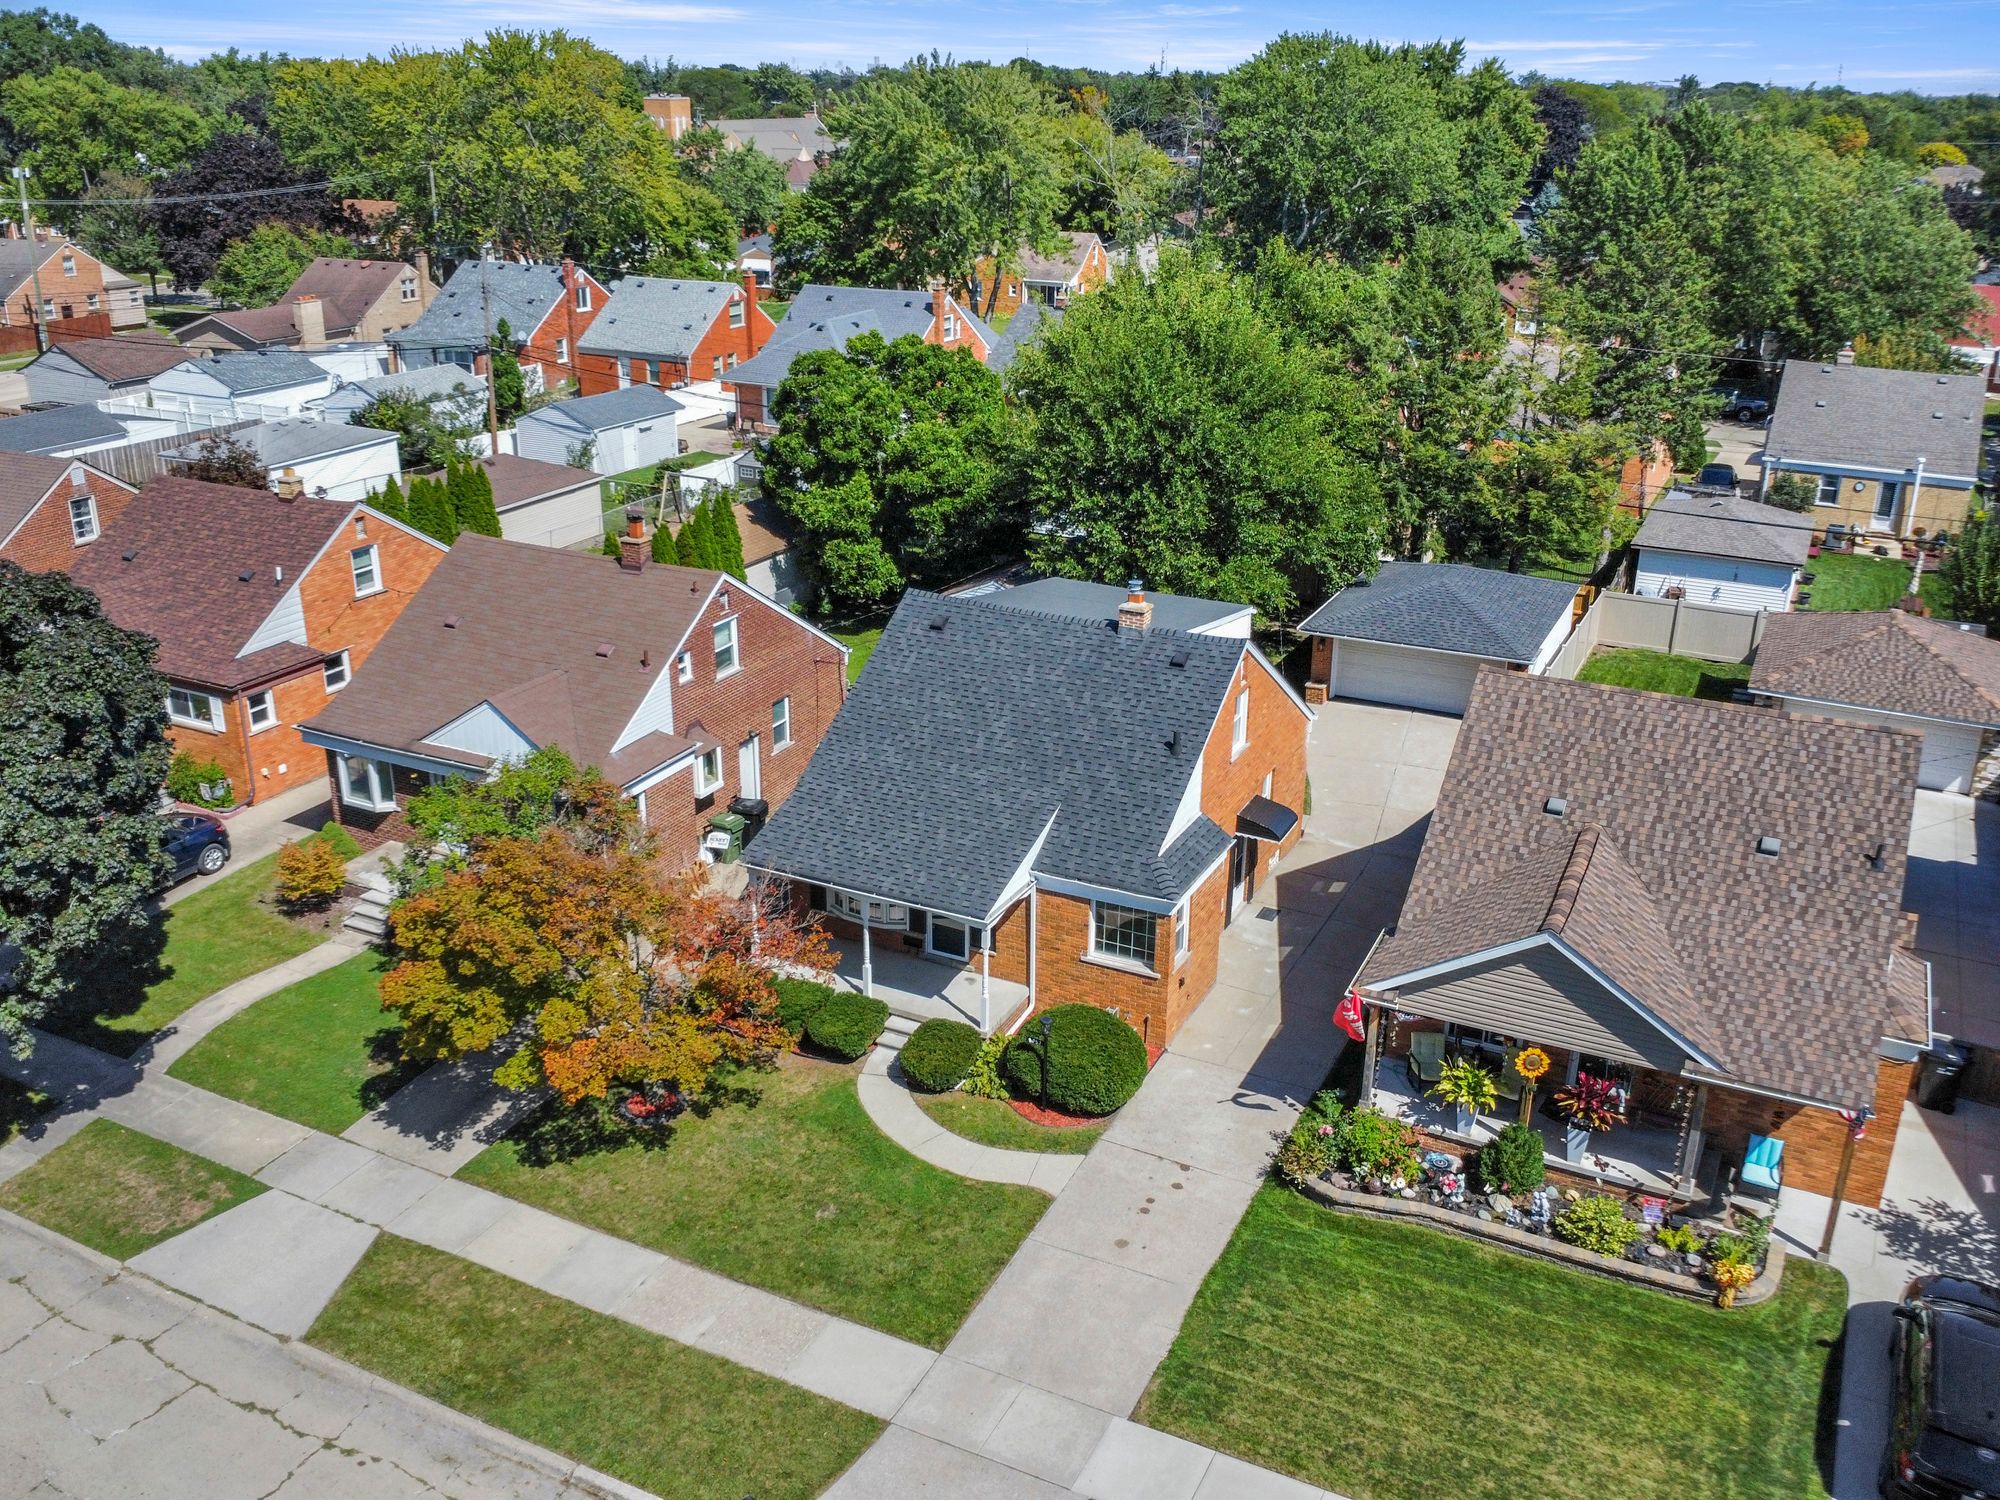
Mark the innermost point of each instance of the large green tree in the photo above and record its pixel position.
(72, 128)
(751, 185)
(942, 163)
(83, 751)
(1174, 434)
(260, 268)
(891, 460)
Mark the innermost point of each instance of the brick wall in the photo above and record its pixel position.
(1277, 748)
(1815, 1138)
(70, 294)
(44, 542)
(372, 828)
(563, 321)
(1938, 508)
(597, 373)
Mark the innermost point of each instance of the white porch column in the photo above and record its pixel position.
(867, 955)
(985, 981)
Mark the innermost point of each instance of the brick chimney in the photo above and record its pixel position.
(1135, 615)
(1846, 355)
(309, 322)
(425, 291)
(290, 486)
(633, 551)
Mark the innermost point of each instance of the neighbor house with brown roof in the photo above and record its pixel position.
(1078, 265)
(1713, 929)
(51, 508)
(264, 607)
(1939, 679)
(551, 505)
(687, 688)
(68, 280)
(81, 370)
(334, 300)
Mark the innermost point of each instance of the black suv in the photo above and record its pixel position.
(199, 843)
(1944, 1429)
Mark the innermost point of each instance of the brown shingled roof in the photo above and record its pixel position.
(128, 356)
(517, 480)
(1882, 659)
(1778, 967)
(189, 544)
(527, 625)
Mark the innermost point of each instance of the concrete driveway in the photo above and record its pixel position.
(1738, 444)
(1956, 896)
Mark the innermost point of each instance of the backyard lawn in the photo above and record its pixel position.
(121, 1192)
(322, 1052)
(790, 1187)
(669, 1419)
(1657, 672)
(1393, 1362)
(214, 938)
(991, 1122)
(1844, 581)
(860, 646)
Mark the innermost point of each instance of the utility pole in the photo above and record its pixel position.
(486, 318)
(34, 262)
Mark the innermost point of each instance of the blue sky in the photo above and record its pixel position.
(1933, 46)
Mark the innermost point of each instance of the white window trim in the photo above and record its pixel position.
(735, 647)
(846, 904)
(930, 938)
(270, 703)
(1093, 954)
(703, 786)
(346, 671)
(76, 534)
(684, 667)
(1820, 489)
(738, 315)
(562, 351)
(780, 740)
(583, 296)
(374, 552)
(1183, 942)
(378, 771)
(212, 724)
(1239, 724)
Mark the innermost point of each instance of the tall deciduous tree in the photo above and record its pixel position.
(239, 180)
(222, 459)
(1971, 573)
(1116, 182)
(258, 269)
(83, 751)
(1175, 435)
(72, 128)
(751, 185)
(943, 162)
(429, 434)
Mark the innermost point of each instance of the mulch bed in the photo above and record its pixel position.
(1055, 1119)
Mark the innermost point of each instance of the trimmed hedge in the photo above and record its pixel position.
(1096, 1061)
(846, 1025)
(798, 999)
(939, 1054)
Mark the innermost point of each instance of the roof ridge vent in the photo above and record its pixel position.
(1571, 882)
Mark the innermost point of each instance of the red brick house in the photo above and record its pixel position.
(264, 607)
(547, 308)
(1080, 265)
(688, 689)
(1021, 807)
(72, 291)
(664, 332)
(51, 508)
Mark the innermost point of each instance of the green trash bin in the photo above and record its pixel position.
(725, 837)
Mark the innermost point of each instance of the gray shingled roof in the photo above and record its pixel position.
(521, 295)
(827, 317)
(1447, 607)
(781, 137)
(1079, 600)
(1020, 331)
(608, 409)
(20, 258)
(1726, 526)
(58, 427)
(290, 441)
(656, 318)
(259, 370)
(928, 792)
(1779, 966)
(427, 382)
(1877, 419)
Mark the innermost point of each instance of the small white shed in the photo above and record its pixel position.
(618, 430)
(1721, 550)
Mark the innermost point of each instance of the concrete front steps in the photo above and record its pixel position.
(370, 917)
(896, 1032)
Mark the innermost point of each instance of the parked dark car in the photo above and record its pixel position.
(1746, 409)
(1716, 477)
(1944, 1426)
(198, 842)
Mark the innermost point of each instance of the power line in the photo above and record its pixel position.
(247, 193)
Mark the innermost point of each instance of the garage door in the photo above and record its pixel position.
(1949, 755)
(1404, 676)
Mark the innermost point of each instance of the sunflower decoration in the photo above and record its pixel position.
(1531, 1064)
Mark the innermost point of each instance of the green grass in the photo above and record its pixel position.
(860, 643)
(789, 1186)
(215, 937)
(669, 1419)
(1392, 1362)
(20, 1107)
(1846, 581)
(321, 1052)
(121, 1192)
(1657, 672)
(991, 1122)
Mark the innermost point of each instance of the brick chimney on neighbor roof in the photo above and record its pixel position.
(290, 486)
(673, 113)
(1846, 355)
(632, 547)
(309, 322)
(1135, 615)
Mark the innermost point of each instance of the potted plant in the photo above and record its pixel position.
(1467, 1088)
(1588, 1105)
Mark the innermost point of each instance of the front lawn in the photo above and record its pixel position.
(992, 1122)
(860, 643)
(1847, 581)
(669, 1419)
(787, 1186)
(1393, 1362)
(1657, 672)
(20, 1107)
(322, 1052)
(121, 1192)
(215, 937)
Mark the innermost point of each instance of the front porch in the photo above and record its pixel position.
(922, 989)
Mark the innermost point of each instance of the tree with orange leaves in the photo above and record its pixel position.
(621, 973)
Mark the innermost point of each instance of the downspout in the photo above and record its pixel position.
(243, 730)
(867, 953)
(1916, 492)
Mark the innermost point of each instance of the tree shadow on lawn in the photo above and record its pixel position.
(110, 983)
(555, 1134)
(385, 1048)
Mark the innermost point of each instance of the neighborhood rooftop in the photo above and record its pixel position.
(1883, 659)
(609, 409)
(654, 316)
(1081, 600)
(516, 480)
(260, 370)
(1718, 525)
(1889, 421)
(24, 480)
(127, 357)
(287, 441)
(926, 793)
(427, 382)
(1447, 607)
(58, 427)
(521, 295)
(827, 317)
(1647, 863)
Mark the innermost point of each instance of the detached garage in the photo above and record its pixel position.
(1416, 634)
(1890, 668)
(1721, 550)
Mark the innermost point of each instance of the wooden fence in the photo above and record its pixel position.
(137, 462)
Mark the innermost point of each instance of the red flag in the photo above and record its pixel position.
(1347, 1015)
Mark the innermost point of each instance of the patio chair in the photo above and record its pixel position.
(1763, 1166)
(1425, 1062)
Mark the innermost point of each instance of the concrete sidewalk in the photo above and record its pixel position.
(886, 1098)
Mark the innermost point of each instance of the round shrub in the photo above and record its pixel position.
(846, 1025)
(1512, 1161)
(1597, 1223)
(1096, 1061)
(311, 875)
(797, 1000)
(939, 1054)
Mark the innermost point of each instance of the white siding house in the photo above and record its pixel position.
(1721, 550)
(1727, 582)
(618, 430)
(264, 386)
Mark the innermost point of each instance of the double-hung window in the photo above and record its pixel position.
(1829, 490)
(583, 296)
(408, 289)
(334, 671)
(1121, 934)
(263, 710)
(708, 773)
(736, 313)
(82, 519)
(684, 667)
(781, 724)
(725, 647)
(874, 913)
(367, 571)
(1239, 732)
(186, 706)
(1181, 936)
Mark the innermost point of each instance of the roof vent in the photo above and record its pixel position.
(938, 621)
(1819, 403)
(1875, 859)
(128, 556)
(605, 648)
(451, 622)
(1768, 845)
(1555, 807)
(246, 575)
(1174, 743)
(1937, 416)
(1179, 658)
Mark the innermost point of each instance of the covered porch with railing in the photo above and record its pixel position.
(922, 989)
(926, 964)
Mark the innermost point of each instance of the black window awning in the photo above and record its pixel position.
(1262, 818)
